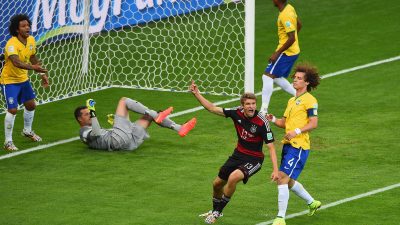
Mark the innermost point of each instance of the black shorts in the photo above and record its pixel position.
(249, 165)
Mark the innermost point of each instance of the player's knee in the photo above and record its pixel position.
(123, 99)
(236, 177)
(30, 105)
(218, 184)
(13, 111)
(284, 178)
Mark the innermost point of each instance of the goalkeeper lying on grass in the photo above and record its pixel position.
(124, 135)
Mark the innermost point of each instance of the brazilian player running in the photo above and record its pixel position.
(252, 130)
(299, 119)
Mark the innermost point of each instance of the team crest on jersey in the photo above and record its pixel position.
(10, 100)
(253, 129)
(298, 101)
(11, 48)
(30, 47)
(288, 24)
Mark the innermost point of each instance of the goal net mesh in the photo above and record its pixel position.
(142, 44)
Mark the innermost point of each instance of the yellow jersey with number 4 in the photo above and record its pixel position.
(297, 114)
(287, 22)
(12, 74)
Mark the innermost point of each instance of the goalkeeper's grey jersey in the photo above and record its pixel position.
(101, 141)
(123, 136)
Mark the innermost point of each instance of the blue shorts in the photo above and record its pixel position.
(282, 66)
(17, 93)
(293, 160)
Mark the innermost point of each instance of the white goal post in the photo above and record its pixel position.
(90, 45)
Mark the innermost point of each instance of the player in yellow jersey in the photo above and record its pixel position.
(20, 56)
(299, 119)
(287, 52)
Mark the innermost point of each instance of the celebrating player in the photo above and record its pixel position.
(20, 56)
(124, 135)
(287, 52)
(299, 119)
(252, 130)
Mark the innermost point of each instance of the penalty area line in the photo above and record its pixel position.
(332, 204)
(340, 72)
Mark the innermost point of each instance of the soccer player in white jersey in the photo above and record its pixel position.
(124, 135)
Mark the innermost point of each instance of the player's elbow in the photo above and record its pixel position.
(314, 125)
(16, 63)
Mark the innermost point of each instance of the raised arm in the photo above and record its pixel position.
(96, 128)
(204, 102)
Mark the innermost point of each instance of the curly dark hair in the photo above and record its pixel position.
(311, 75)
(14, 23)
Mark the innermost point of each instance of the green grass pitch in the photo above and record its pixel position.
(167, 181)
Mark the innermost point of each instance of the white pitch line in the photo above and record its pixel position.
(332, 204)
(40, 147)
(340, 72)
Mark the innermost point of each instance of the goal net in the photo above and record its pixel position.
(90, 45)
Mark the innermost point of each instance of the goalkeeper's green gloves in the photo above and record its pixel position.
(90, 105)
(110, 119)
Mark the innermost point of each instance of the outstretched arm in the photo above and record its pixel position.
(204, 102)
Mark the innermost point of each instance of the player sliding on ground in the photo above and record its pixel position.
(252, 130)
(124, 135)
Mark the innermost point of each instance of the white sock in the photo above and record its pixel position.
(268, 86)
(283, 199)
(8, 126)
(285, 85)
(299, 190)
(28, 119)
